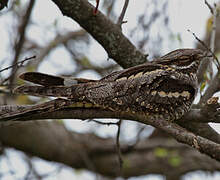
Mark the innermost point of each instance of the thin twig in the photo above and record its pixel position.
(18, 46)
(213, 86)
(121, 17)
(20, 63)
(138, 138)
(206, 63)
(96, 7)
(199, 40)
(212, 40)
(206, 47)
(103, 123)
(118, 147)
(209, 6)
(213, 33)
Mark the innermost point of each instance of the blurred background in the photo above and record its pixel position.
(38, 28)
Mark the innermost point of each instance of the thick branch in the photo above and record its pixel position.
(203, 130)
(208, 113)
(99, 155)
(194, 121)
(51, 110)
(108, 34)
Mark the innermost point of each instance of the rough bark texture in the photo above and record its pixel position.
(179, 133)
(154, 155)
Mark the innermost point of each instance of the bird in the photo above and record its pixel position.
(161, 89)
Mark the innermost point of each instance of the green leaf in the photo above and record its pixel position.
(174, 161)
(85, 62)
(126, 163)
(179, 38)
(161, 152)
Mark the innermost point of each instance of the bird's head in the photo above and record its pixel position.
(183, 59)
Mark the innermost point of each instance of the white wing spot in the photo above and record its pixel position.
(170, 95)
(173, 77)
(153, 72)
(176, 94)
(131, 77)
(153, 93)
(138, 75)
(121, 79)
(162, 94)
(147, 73)
(185, 94)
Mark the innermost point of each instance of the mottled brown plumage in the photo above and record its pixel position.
(164, 88)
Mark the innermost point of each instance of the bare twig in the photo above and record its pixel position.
(96, 7)
(138, 138)
(206, 47)
(206, 63)
(199, 40)
(121, 17)
(19, 45)
(31, 170)
(214, 85)
(209, 6)
(20, 63)
(212, 41)
(17, 65)
(118, 147)
(103, 123)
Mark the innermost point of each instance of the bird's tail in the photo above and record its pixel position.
(50, 80)
(53, 91)
(55, 86)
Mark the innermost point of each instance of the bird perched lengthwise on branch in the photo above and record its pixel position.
(164, 88)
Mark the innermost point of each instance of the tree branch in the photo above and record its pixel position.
(146, 157)
(207, 113)
(108, 34)
(121, 17)
(52, 110)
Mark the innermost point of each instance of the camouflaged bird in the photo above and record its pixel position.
(164, 88)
